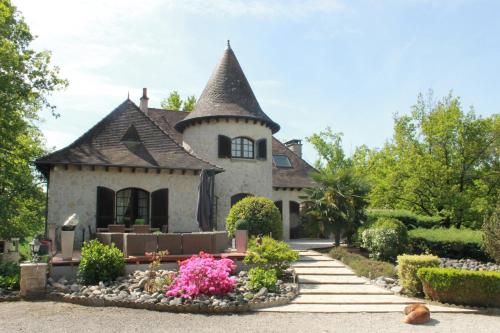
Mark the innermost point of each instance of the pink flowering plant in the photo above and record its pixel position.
(203, 274)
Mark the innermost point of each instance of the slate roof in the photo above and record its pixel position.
(294, 177)
(227, 94)
(127, 137)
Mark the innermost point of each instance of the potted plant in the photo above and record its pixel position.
(140, 227)
(241, 236)
(68, 237)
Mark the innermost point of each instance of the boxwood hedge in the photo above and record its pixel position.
(462, 287)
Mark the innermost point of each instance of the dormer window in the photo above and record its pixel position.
(282, 161)
(242, 147)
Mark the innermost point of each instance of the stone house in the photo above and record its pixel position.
(140, 162)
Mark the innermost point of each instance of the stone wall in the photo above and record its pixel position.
(250, 176)
(74, 191)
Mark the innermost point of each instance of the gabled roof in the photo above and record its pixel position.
(295, 177)
(126, 137)
(227, 94)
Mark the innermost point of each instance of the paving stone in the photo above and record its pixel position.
(310, 253)
(342, 279)
(315, 258)
(329, 263)
(363, 289)
(354, 299)
(323, 271)
(346, 308)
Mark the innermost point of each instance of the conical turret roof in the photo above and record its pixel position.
(227, 95)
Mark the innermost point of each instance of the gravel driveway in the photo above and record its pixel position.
(63, 317)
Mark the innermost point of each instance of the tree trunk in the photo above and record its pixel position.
(337, 234)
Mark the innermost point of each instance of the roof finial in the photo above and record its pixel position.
(228, 44)
(128, 94)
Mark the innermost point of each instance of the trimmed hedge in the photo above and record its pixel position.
(449, 243)
(409, 219)
(260, 215)
(462, 287)
(361, 265)
(385, 239)
(408, 266)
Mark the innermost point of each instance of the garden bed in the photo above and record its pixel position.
(129, 292)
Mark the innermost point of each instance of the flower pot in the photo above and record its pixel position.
(67, 242)
(241, 240)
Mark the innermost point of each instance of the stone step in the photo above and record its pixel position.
(348, 308)
(353, 299)
(309, 253)
(331, 279)
(329, 263)
(314, 258)
(323, 271)
(346, 289)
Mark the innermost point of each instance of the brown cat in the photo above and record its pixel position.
(416, 314)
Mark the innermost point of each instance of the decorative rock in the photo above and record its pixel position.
(261, 292)
(397, 289)
(176, 301)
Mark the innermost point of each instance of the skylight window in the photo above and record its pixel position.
(282, 161)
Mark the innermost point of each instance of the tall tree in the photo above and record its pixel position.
(441, 160)
(176, 103)
(26, 79)
(338, 203)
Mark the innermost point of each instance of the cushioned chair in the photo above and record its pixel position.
(142, 228)
(109, 238)
(170, 242)
(220, 241)
(138, 244)
(195, 242)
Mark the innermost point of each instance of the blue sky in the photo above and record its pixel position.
(345, 64)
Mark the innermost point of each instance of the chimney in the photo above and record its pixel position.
(295, 145)
(144, 100)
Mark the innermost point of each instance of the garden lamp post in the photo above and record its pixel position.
(35, 248)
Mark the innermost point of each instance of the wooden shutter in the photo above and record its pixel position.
(159, 209)
(262, 149)
(224, 146)
(105, 208)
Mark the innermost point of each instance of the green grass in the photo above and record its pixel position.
(362, 265)
(448, 235)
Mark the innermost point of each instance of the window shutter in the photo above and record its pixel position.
(224, 146)
(262, 149)
(105, 208)
(159, 209)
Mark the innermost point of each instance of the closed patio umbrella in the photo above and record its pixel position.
(204, 201)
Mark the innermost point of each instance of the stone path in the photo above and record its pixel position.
(327, 285)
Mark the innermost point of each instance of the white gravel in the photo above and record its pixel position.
(63, 317)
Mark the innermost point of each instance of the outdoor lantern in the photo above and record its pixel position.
(35, 248)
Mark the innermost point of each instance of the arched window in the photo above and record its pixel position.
(242, 147)
(132, 204)
(237, 197)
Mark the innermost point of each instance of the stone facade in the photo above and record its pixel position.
(286, 196)
(252, 176)
(74, 191)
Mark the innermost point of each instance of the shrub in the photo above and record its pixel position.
(259, 278)
(272, 254)
(9, 276)
(409, 219)
(385, 239)
(203, 274)
(241, 225)
(363, 266)
(408, 266)
(140, 222)
(448, 285)
(491, 235)
(449, 243)
(261, 215)
(100, 262)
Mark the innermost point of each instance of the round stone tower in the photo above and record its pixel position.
(229, 129)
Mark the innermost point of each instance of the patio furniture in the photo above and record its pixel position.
(170, 242)
(142, 228)
(109, 238)
(220, 241)
(138, 244)
(193, 243)
(116, 228)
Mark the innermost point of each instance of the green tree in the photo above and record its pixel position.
(440, 160)
(176, 103)
(338, 203)
(26, 79)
